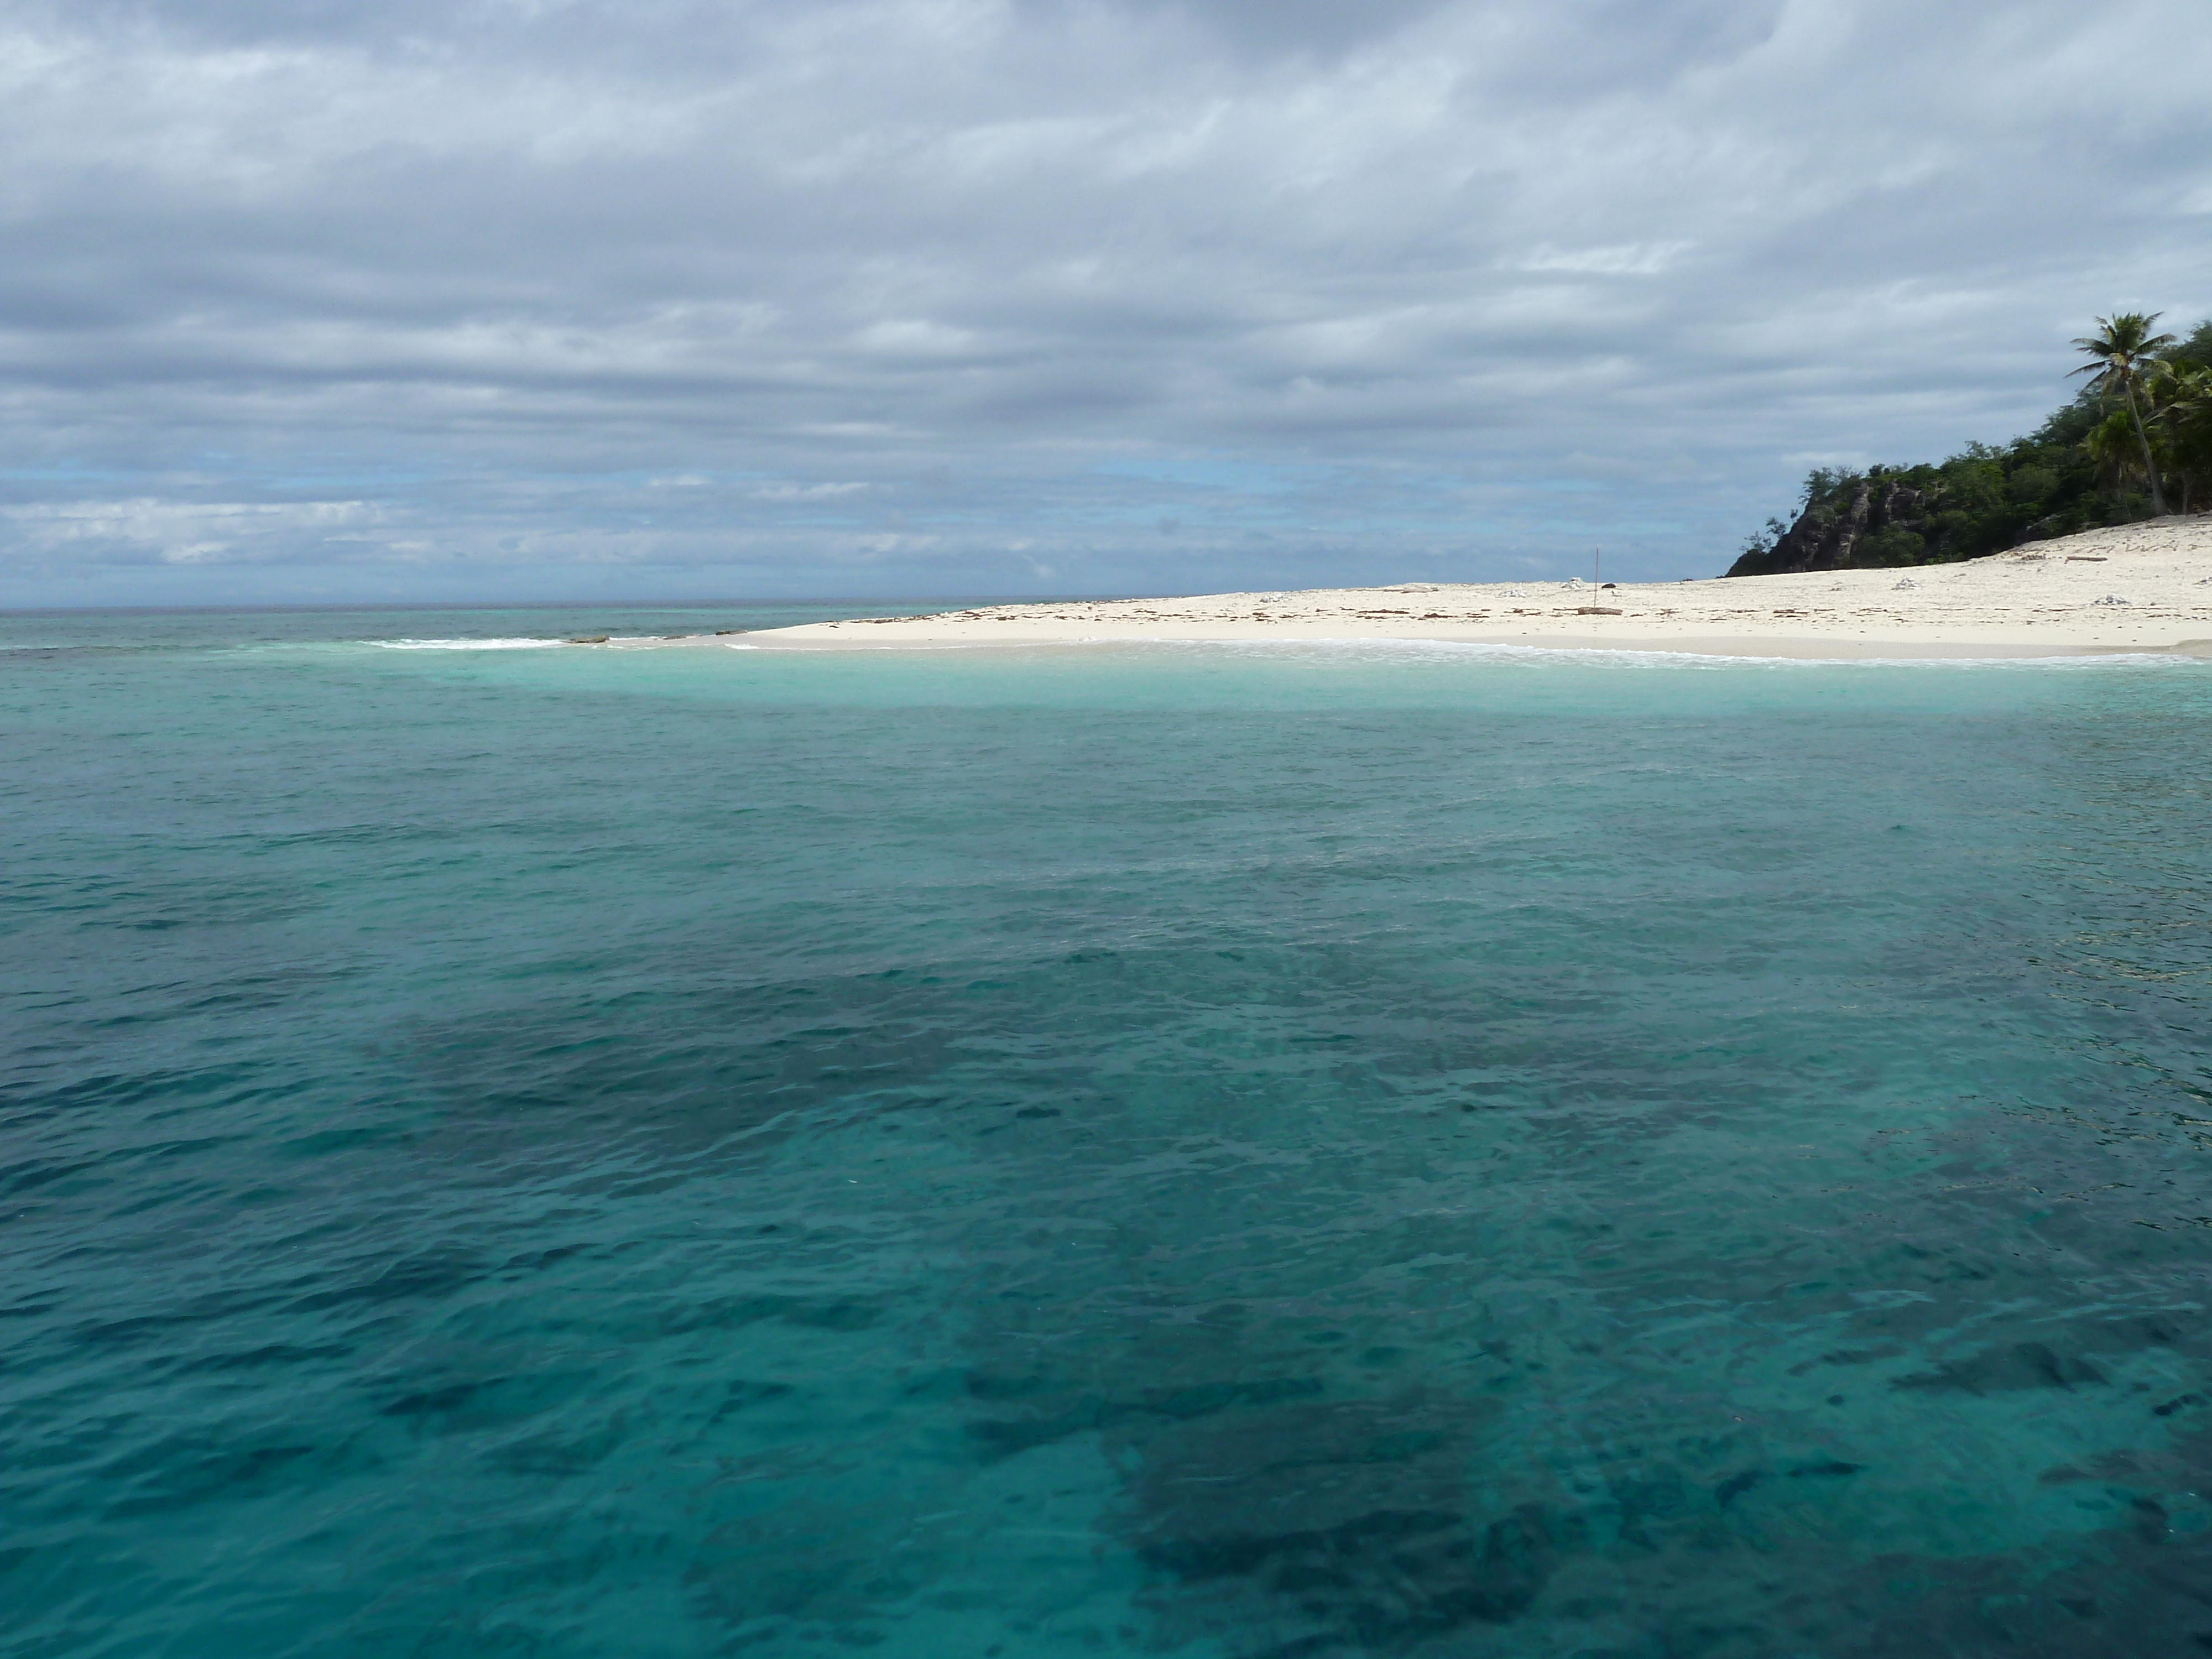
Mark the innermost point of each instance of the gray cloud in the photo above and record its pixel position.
(521, 296)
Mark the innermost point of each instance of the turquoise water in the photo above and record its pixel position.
(1174, 1149)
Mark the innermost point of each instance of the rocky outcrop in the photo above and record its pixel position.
(1875, 525)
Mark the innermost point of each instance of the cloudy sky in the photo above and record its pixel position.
(359, 300)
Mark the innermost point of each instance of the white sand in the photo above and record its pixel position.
(2138, 587)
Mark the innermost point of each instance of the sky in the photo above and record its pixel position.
(490, 300)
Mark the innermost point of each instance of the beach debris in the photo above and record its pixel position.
(1596, 610)
(2114, 598)
(719, 632)
(1902, 584)
(589, 639)
(2086, 558)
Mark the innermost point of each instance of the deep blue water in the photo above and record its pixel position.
(1220, 1152)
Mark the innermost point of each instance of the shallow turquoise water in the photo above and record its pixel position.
(1286, 1150)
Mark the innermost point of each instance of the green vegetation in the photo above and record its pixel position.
(2138, 437)
(2122, 354)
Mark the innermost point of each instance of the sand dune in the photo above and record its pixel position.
(2136, 587)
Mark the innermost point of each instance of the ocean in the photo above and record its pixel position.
(1235, 1151)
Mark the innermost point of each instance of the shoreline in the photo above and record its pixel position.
(1744, 648)
(2141, 588)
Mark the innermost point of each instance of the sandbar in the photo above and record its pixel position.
(2141, 588)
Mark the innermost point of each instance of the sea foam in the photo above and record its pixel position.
(466, 645)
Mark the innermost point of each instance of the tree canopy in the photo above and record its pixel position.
(2136, 440)
(2121, 353)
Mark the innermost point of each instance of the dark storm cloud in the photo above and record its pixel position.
(530, 295)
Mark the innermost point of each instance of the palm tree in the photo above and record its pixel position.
(2120, 353)
(2111, 446)
(2180, 396)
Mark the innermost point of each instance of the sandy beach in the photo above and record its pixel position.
(2142, 587)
